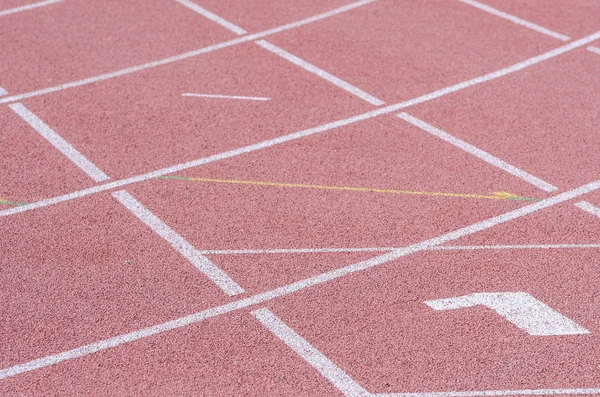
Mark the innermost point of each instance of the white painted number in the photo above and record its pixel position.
(520, 308)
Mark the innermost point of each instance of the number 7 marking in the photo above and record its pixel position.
(520, 308)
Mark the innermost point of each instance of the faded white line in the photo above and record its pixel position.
(321, 73)
(202, 263)
(3, 91)
(304, 133)
(594, 49)
(589, 208)
(510, 247)
(517, 20)
(27, 7)
(485, 156)
(327, 368)
(186, 55)
(59, 143)
(250, 98)
(491, 393)
(294, 287)
(213, 17)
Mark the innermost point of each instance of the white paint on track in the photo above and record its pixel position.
(59, 143)
(293, 287)
(28, 7)
(213, 17)
(3, 91)
(310, 354)
(249, 98)
(186, 55)
(321, 73)
(594, 49)
(179, 244)
(482, 155)
(494, 393)
(517, 20)
(304, 133)
(589, 208)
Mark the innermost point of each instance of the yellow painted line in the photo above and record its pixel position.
(492, 196)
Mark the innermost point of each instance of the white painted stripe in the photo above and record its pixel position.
(327, 368)
(508, 247)
(294, 287)
(304, 133)
(517, 20)
(186, 55)
(587, 207)
(27, 7)
(321, 73)
(209, 15)
(59, 143)
(491, 393)
(3, 91)
(594, 49)
(202, 263)
(250, 98)
(485, 156)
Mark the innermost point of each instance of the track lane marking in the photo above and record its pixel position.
(296, 286)
(27, 7)
(250, 98)
(304, 133)
(492, 196)
(213, 17)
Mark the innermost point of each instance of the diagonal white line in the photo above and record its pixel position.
(179, 244)
(250, 98)
(3, 91)
(321, 73)
(485, 156)
(304, 133)
(294, 287)
(517, 20)
(59, 143)
(589, 208)
(186, 55)
(27, 7)
(213, 17)
(327, 368)
(594, 49)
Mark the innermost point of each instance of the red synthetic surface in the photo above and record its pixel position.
(87, 269)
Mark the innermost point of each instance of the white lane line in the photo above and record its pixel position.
(3, 91)
(517, 20)
(510, 247)
(589, 208)
(27, 7)
(293, 287)
(304, 133)
(594, 49)
(186, 55)
(179, 244)
(213, 17)
(492, 393)
(59, 143)
(250, 98)
(482, 155)
(327, 368)
(321, 73)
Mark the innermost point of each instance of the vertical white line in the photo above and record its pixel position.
(59, 143)
(321, 73)
(213, 17)
(517, 20)
(28, 7)
(202, 263)
(342, 381)
(485, 156)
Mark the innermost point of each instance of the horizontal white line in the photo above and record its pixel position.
(28, 7)
(310, 354)
(491, 393)
(304, 133)
(321, 73)
(59, 143)
(517, 20)
(485, 156)
(213, 17)
(250, 98)
(594, 49)
(199, 261)
(185, 55)
(294, 287)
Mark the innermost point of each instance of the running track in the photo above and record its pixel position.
(307, 198)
